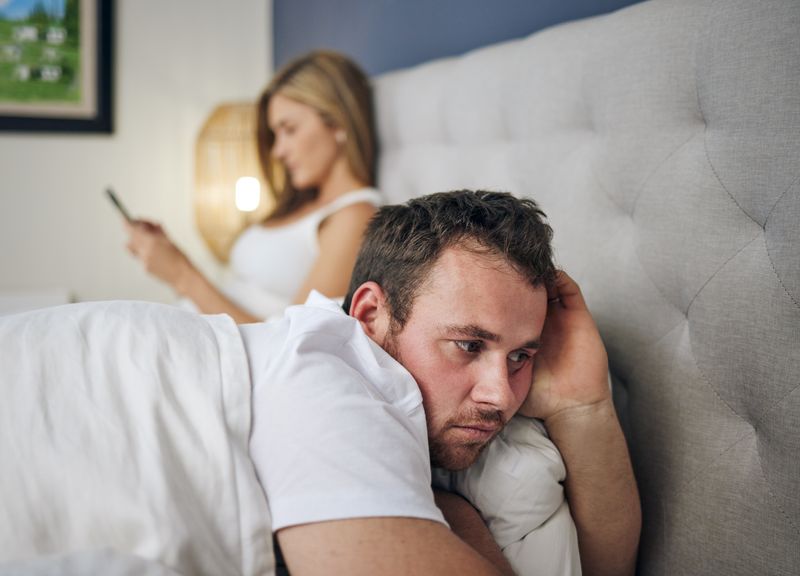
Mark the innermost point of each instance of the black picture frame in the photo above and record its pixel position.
(94, 117)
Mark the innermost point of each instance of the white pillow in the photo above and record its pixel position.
(516, 484)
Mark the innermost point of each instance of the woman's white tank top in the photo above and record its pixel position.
(268, 265)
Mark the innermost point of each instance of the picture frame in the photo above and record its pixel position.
(56, 65)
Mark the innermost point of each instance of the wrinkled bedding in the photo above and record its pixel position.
(124, 444)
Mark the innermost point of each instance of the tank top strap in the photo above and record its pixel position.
(369, 195)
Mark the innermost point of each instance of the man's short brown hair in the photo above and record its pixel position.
(404, 241)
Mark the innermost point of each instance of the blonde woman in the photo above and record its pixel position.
(317, 149)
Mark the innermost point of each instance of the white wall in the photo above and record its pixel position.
(174, 62)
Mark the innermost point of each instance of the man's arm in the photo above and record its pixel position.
(600, 487)
(355, 503)
(386, 546)
(570, 394)
(466, 522)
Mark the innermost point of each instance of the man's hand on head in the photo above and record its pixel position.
(570, 393)
(571, 369)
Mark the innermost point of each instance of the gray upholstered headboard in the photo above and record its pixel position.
(663, 141)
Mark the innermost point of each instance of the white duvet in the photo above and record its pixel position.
(124, 433)
(124, 444)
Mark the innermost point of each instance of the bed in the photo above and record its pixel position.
(662, 140)
(124, 435)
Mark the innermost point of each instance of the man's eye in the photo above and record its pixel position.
(471, 346)
(519, 357)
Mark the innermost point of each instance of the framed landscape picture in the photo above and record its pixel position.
(56, 65)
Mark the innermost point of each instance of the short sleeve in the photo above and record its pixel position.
(339, 432)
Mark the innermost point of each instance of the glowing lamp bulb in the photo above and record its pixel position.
(248, 193)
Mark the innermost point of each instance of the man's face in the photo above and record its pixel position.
(469, 342)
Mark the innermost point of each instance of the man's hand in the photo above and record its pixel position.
(571, 368)
(570, 393)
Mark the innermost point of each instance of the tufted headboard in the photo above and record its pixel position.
(663, 141)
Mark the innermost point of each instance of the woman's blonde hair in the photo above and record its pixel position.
(339, 90)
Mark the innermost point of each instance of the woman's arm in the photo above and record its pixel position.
(161, 258)
(340, 238)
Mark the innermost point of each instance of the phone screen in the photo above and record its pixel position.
(118, 205)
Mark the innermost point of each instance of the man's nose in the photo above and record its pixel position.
(493, 386)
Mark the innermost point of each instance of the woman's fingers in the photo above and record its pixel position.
(141, 237)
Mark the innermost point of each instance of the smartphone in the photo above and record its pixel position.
(118, 205)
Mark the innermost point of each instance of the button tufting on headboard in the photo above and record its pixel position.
(663, 142)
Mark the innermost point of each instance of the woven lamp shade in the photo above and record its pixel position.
(226, 150)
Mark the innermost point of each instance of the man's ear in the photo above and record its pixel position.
(370, 308)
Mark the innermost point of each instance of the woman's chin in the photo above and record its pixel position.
(300, 183)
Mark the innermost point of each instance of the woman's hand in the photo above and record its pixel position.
(149, 243)
(571, 369)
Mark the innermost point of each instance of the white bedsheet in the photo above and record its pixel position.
(124, 443)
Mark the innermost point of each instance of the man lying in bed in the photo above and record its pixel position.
(453, 286)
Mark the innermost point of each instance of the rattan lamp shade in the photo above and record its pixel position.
(225, 151)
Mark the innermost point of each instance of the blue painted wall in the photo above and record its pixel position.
(385, 35)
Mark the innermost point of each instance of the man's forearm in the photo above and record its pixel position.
(466, 522)
(600, 486)
(389, 546)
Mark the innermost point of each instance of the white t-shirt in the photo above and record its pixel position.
(339, 432)
(338, 426)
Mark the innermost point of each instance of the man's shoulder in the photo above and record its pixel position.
(320, 339)
(322, 316)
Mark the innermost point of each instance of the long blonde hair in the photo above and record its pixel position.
(339, 90)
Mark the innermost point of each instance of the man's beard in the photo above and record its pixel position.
(450, 456)
(389, 343)
(455, 456)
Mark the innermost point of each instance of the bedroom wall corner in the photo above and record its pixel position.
(173, 63)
